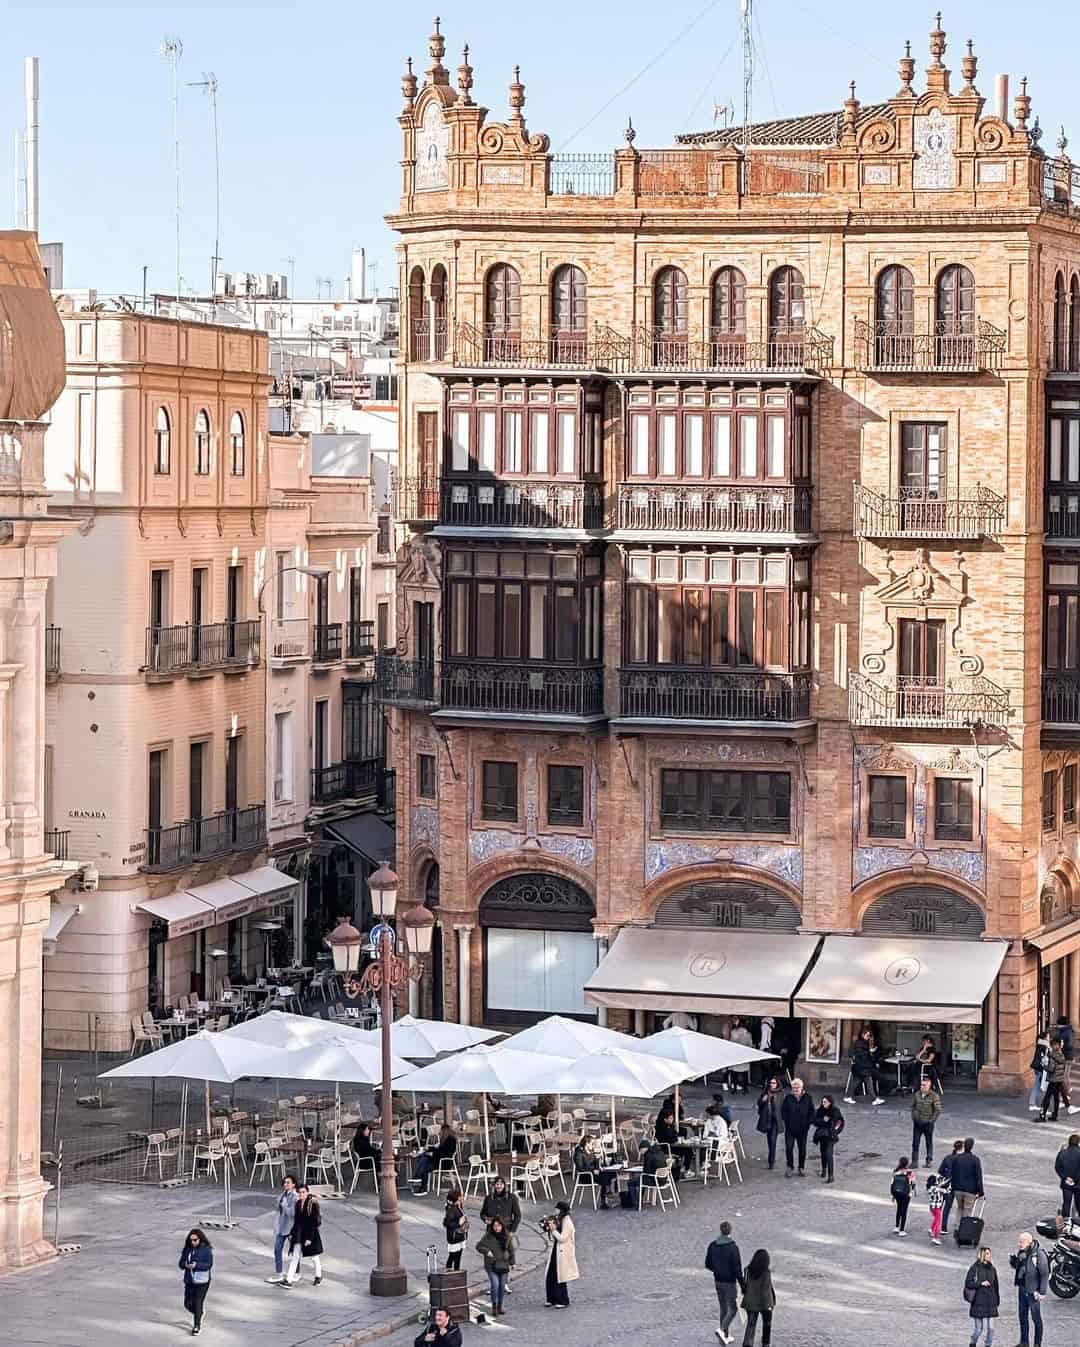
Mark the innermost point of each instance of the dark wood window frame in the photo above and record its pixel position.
(954, 301)
(1049, 801)
(671, 304)
(692, 800)
(954, 809)
(203, 439)
(1061, 618)
(499, 791)
(581, 410)
(426, 777)
(787, 303)
(569, 311)
(502, 302)
(727, 305)
(1068, 795)
(915, 447)
(894, 301)
(565, 795)
(887, 808)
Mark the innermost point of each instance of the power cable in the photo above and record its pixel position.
(708, 84)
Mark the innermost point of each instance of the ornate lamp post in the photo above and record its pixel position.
(391, 970)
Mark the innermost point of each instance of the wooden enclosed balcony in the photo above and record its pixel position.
(888, 347)
(656, 507)
(488, 503)
(914, 514)
(914, 702)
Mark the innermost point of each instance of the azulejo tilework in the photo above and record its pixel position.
(580, 850)
(967, 865)
(424, 822)
(784, 862)
(484, 843)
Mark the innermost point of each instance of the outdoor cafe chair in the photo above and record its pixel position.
(479, 1175)
(141, 1034)
(321, 1163)
(446, 1171)
(267, 1158)
(527, 1176)
(551, 1168)
(727, 1156)
(362, 1162)
(735, 1136)
(585, 1182)
(161, 1146)
(208, 1153)
(661, 1185)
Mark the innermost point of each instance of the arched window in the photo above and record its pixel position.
(417, 316)
(670, 317)
(202, 443)
(894, 314)
(502, 313)
(955, 314)
(568, 315)
(727, 317)
(162, 442)
(437, 306)
(787, 313)
(1060, 337)
(1074, 324)
(236, 444)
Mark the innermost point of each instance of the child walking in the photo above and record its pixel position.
(938, 1188)
(902, 1189)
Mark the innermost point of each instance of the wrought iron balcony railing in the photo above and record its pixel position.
(405, 681)
(659, 693)
(913, 514)
(289, 639)
(416, 499)
(788, 350)
(1063, 341)
(56, 842)
(52, 652)
(359, 640)
(1061, 184)
(925, 703)
(428, 339)
(202, 839)
(326, 642)
(1063, 513)
(1061, 698)
(887, 347)
(211, 645)
(499, 347)
(522, 689)
(581, 175)
(522, 504)
(354, 780)
(713, 508)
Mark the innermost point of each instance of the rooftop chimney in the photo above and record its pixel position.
(31, 72)
(1003, 97)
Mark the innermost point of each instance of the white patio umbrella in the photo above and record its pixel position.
(498, 1068)
(423, 1039)
(562, 1037)
(701, 1052)
(279, 1029)
(615, 1071)
(341, 1057)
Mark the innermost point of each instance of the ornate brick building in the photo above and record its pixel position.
(738, 591)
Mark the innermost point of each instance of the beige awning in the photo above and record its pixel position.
(59, 916)
(1054, 945)
(221, 900)
(901, 978)
(711, 972)
(182, 912)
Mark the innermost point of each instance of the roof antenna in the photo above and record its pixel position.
(746, 9)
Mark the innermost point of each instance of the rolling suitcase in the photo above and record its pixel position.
(969, 1231)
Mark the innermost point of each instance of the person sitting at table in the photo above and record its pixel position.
(362, 1147)
(722, 1109)
(715, 1124)
(429, 1160)
(588, 1161)
(545, 1104)
(667, 1134)
(925, 1062)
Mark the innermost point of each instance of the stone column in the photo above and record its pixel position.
(639, 1023)
(464, 935)
(990, 1028)
(602, 946)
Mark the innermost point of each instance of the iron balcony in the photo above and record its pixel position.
(656, 507)
(203, 839)
(890, 347)
(750, 696)
(522, 689)
(212, 645)
(912, 702)
(914, 514)
(487, 503)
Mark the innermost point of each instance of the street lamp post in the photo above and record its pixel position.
(391, 970)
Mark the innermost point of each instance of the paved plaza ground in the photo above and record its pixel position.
(842, 1278)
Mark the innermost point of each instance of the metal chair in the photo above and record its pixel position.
(661, 1185)
(551, 1168)
(321, 1163)
(208, 1153)
(446, 1170)
(479, 1175)
(527, 1176)
(161, 1146)
(735, 1136)
(269, 1159)
(586, 1181)
(360, 1162)
(141, 1035)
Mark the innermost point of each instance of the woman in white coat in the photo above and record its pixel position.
(562, 1265)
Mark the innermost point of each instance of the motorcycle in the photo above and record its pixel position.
(1064, 1256)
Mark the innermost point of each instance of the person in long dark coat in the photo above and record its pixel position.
(828, 1124)
(759, 1299)
(196, 1261)
(983, 1295)
(306, 1241)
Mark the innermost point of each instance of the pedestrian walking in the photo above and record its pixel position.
(967, 1178)
(562, 1265)
(945, 1170)
(925, 1111)
(864, 1068)
(501, 1202)
(902, 1190)
(1064, 1031)
(796, 1113)
(740, 1075)
(494, 1247)
(196, 1263)
(305, 1240)
(769, 1105)
(937, 1194)
(1032, 1280)
(828, 1124)
(983, 1296)
(440, 1331)
(1067, 1168)
(1055, 1081)
(1039, 1062)
(283, 1224)
(724, 1261)
(759, 1299)
(456, 1225)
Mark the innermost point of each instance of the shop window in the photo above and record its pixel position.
(953, 818)
(748, 802)
(1049, 801)
(499, 800)
(425, 775)
(566, 797)
(888, 806)
(1068, 795)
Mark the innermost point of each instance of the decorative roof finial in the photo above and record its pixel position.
(1022, 106)
(1062, 142)
(969, 67)
(517, 98)
(907, 72)
(630, 135)
(408, 85)
(437, 72)
(1035, 133)
(937, 42)
(465, 78)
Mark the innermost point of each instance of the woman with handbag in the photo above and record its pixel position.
(768, 1109)
(983, 1296)
(196, 1262)
(494, 1248)
(456, 1225)
(828, 1123)
(562, 1264)
(306, 1241)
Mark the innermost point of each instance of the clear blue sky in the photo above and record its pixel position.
(309, 95)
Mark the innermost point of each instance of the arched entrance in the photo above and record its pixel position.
(924, 909)
(539, 949)
(731, 905)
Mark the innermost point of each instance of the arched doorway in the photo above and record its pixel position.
(539, 949)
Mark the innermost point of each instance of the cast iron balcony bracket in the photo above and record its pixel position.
(965, 702)
(887, 347)
(753, 695)
(913, 514)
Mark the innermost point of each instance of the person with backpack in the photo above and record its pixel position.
(1040, 1060)
(938, 1189)
(983, 1296)
(306, 1239)
(902, 1190)
(724, 1261)
(1067, 1168)
(1055, 1076)
(828, 1124)
(925, 1111)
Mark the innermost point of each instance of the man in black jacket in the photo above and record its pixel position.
(441, 1331)
(724, 1261)
(1067, 1168)
(796, 1113)
(967, 1178)
(945, 1170)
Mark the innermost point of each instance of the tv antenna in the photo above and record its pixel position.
(746, 10)
(172, 49)
(209, 85)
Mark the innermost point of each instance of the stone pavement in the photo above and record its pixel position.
(842, 1278)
